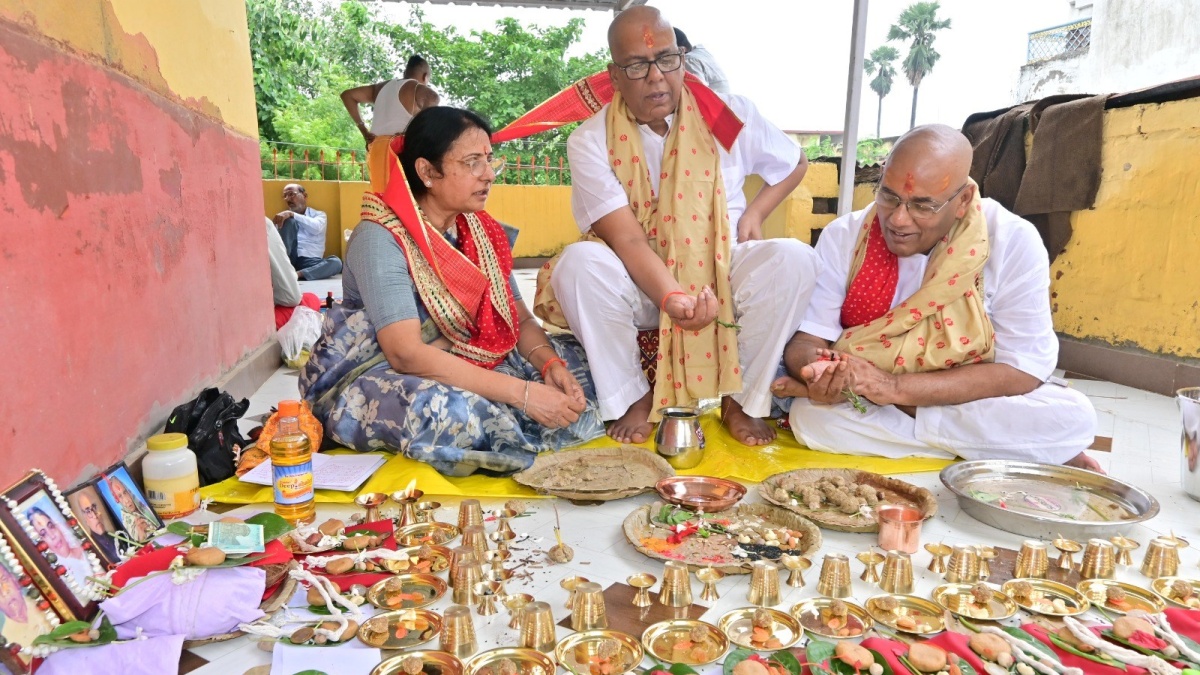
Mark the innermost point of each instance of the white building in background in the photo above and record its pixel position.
(1112, 46)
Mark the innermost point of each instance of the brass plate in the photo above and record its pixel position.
(700, 493)
(380, 630)
(808, 613)
(1050, 590)
(439, 558)
(662, 636)
(1162, 586)
(430, 588)
(926, 615)
(528, 661)
(958, 600)
(435, 663)
(434, 534)
(574, 651)
(738, 626)
(1095, 590)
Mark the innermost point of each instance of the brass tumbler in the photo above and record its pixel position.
(458, 557)
(676, 589)
(1032, 560)
(795, 565)
(469, 513)
(589, 612)
(537, 628)
(963, 566)
(1098, 560)
(474, 536)
(1162, 558)
(897, 573)
(465, 579)
(458, 632)
(569, 585)
(764, 583)
(834, 580)
(642, 583)
(515, 603)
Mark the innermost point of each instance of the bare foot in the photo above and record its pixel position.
(634, 426)
(789, 387)
(1084, 461)
(746, 429)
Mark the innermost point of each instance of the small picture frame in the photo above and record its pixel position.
(59, 556)
(99, 525)
(25, 611)
(131, 512)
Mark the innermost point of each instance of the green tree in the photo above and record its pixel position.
(286, 48)
(879, 64)
(918, 24)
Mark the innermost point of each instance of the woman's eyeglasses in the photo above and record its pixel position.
(665, 64)
(478, 166)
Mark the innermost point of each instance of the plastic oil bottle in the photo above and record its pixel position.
(291, 468)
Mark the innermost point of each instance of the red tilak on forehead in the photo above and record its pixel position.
(908, 183)
(648, 37)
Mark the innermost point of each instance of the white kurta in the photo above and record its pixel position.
(1051, 424)
(771, 280)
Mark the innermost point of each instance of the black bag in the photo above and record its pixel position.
(210, 422)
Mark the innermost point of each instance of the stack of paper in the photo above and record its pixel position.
(330, 472)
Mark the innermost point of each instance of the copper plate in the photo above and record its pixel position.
(738, 626)
(1162, 586)
(439, 557)
(574, 651)
(434, 534)
(1096, 591)
(380, 630)
(662, 636)
(430, 587)
(1051, 590)
(808, 613)
(528, 661)
(700, 493)
(926, 615)
(434, 663)
(957, 599)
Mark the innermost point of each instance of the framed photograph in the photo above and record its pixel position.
(58, 554)
(24, 612)
(131, 511)
(98, 523)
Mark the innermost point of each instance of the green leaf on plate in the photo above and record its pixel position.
(819, 651)
(180, 528)
(887, 669)
(912, 670)
(59, 636)
(273, 526)
(733, 658)
(1027, 637)
(681, 669)
(788, 660)
(62, 631)
(964, 666)
(1084, 655)
(319, 609)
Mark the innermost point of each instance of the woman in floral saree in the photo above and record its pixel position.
(432, 352)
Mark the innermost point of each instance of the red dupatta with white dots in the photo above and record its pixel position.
(942, 325)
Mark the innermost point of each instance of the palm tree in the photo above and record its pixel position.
(918, 22)
(879, 64)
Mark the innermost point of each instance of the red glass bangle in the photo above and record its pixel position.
(663, 304)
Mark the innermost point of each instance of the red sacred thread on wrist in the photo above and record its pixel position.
(546, 366)
(663, 305)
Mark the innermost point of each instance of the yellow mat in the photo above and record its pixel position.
(724, 457)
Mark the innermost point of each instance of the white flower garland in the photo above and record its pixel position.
(10, 560)
(86, 589)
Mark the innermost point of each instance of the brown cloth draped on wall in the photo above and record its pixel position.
(1059, 174)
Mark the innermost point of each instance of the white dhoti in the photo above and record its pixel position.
(1051, 424)
(772, 281)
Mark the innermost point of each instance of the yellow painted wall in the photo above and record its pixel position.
(141, 39)
(1129, 274)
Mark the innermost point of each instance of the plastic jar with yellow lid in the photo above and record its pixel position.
(170, 476)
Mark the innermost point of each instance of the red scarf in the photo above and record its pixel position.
(870, 294)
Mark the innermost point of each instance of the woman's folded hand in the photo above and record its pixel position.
(550, 407)
(560, 377)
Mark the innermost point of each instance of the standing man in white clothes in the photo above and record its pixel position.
(673, 246)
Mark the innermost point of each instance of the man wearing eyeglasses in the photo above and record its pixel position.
(929, 332)
(674, 248)
(303, 231)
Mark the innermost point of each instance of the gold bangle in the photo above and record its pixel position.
(531, 351)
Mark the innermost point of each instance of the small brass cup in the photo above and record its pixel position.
(709, 577)
(795, 565)
(498, 577)
(425, 511)
(871, 561)
(642, 583)
(897, 573)
(467, 576)
(1162, 558)
(515, 603)
(569, 585)
(469, 513)
(589, 612)
(1032, 560)
(1098, 560)
(834, 580)
(1125, 548)
(496, 559)
(487, 591)
(764, 583)
(986, 555)
(501, 539)
(459, 557)
(937, 564)
(963, 566)
(475, 537)
(1066, 550)
(537, 628)
(371, 501)
(504, 516)
(676, 588)
(458, 632)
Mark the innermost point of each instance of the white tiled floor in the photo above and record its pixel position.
(1145, 451)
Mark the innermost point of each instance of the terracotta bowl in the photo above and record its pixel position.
(700, 493)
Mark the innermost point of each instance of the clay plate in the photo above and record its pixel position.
(894, 492)
(595, 474)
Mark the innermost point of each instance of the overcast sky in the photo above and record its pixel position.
(791, 56)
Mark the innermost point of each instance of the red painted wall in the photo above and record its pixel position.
(132, 258)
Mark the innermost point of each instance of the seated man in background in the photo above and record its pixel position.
(303, 231)
(690, 264)
(285, 288)
(933, 305)
(701, 63)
